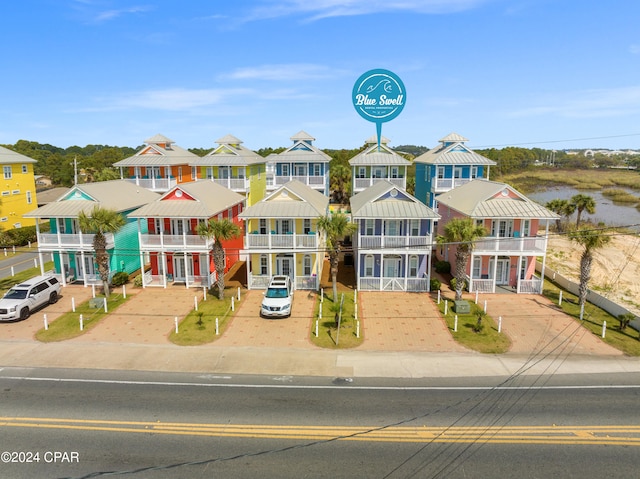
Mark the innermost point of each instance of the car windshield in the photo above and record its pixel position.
(276, 293)
(16, 294)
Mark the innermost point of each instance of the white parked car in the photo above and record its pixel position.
(23, 298)
(277, 298)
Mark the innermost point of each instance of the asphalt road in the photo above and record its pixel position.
(152, 425)
(16, 263)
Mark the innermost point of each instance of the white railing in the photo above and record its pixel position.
(481, 286)
(446, 184)
(307, 180)
(258, 282)
(306, 282)
(154, 184)
(291, 241)
(393, 284)
(362, 183)
(185, 241)
(79, 241)
(530, 286)
(417, 285)
(386, 241)
(235, 184)
(532, 244)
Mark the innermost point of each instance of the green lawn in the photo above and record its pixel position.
(593, 318)
(199, 327)
(486, 341)
(67, 326)
(328, 334)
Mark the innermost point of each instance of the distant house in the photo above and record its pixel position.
(393, 243)
(302, 162)
(378, 164)
(507, 256)
(167, 230)
(158, 166)
(282, 236)
(447, 166)
(18, 192)
(234, 167)
(72, 249)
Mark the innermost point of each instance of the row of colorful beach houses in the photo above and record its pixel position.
(165, 191)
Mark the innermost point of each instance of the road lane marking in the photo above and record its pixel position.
(613, 435)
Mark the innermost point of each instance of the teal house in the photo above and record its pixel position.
(71, 249)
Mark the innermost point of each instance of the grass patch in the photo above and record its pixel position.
(535, 180)
(67, 326)
(328, 333)
(625, 341)
(618, 195)
(199, 327)
(487, 341)
(6, 283)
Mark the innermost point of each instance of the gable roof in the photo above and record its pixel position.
(304, 202)
(160, 151)
(385, 200)
(208, 199)
(453, 151)
(9, 156)
(302, 150)
(372, 156)
(117, 195)
(229, 152)
(491, 199)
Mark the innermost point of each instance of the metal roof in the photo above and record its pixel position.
(117, 195)
(303, 136)
(453, 138)
(292, 200)
(230, 152)
(158, 139)
(154, 155)
(490, 199)
(454, 154)
(370, 203)
(9, 156)
(294, 153)
(371, 156)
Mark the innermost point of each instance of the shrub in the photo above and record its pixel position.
(120, 278)
(434, 284)
(443, 267)
(137, 281)
(454, 282)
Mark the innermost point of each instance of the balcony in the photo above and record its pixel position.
(154, 184)
(362, 183)
(311, 181)
(165, 242)
(287, 241)
(446, 184)
(234, 184)
(394, 242)
(532, 245)
(76, 242)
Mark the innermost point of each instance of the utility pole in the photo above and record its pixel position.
(75, 171)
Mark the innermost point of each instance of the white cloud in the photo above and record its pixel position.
(595, 103)
(94, 12)
(281, 72)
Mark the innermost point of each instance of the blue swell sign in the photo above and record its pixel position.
(379, 96)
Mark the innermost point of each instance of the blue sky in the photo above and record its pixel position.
(500, 72)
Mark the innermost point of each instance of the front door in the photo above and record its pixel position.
(502, 271)
(85, 266)
(284, 265)
(179, 270)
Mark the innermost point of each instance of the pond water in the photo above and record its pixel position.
(607, 212)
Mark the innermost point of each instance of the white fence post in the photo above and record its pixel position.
(46, 324)
(175, 320)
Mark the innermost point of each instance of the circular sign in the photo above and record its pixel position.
(379, 96)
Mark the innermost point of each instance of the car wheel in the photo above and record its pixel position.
(53, 298)
(24, 313)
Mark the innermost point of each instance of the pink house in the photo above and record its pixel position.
(505, 258)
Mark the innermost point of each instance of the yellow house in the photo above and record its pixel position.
(18, 190)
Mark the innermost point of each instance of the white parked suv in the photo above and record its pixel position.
(23, 298)
(277, 298)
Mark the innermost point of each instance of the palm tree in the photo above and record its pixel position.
(335, 227)
(340, 183)
(220, 230)
(461, 232)
(562, 207)
(582, 203)
(99, 222)
(590, 240)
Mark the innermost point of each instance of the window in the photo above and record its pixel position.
(7, 172)
(180, 174)
(29, 200)
(223, 172)
(136, 172)
(194, 173)
(263, 265)
(392, 228)
(285, 169)
(61, 226)
(523, 268)
(241, 173)
(476, 267)
(306, 225)
(25, 169)
(457, 172)
(263, 226)
(368, 226)
(317, 169)
(479, 222)
(440, 172)
(413, 266)
(526, 227)
(378, 172)
(157, 226)
(474, 172)
(209, 172)
(394, 172)
(368, 265)
(306, 265)
(415, 227)
(362, 172)
(230, 213)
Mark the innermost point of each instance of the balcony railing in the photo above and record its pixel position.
(80, 241)
(154, 242)
(154, 184)
(289, 241)
(234, 184)
(362, 183)
(387, 241)
(530, 244)
(308, 180)
(446, 184)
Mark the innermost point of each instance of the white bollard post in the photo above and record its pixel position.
(124, 291)
(14, 250)
(5, 251)
(358, 329)
(485, 305)
(35, 262)
(73, 304)
(560, 299)
(93, 290)
(317, 328)
(604, 329)
(233, 304)
(238, 293)
(581, 311)
(204, 293)
(29, 244)
(81, 323)
(13, 273)
(446, 306)
(175, 321)
(321, 295)
(438, 296)
(195, 302)
(476, 296)
(455, 324)
(46, 324)
(217, 329)
(499, 324)
(320, 311)
(355, 296)
(355, 311)
(104, 301)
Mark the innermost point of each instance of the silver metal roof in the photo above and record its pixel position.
(371, 156)
(453, 138)
(370, 204)
(453, 154)
(9, 156)
(158, 139)
(230, 152)
(490, 199)
(298, 201)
